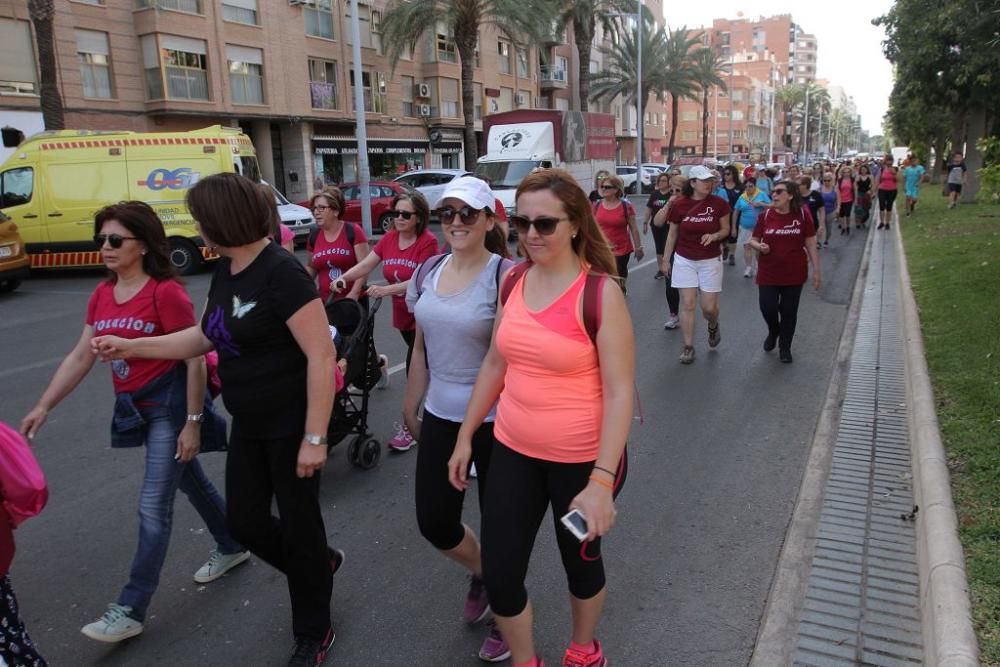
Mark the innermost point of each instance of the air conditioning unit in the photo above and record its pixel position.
(424, 110)
(305, 3)
(423, 90)
(522, 99)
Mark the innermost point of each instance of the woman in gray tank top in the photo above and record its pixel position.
(454, 300)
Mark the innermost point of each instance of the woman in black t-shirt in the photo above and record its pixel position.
(814, 201)
(265, 319)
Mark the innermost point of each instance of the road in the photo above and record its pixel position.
(715, 469)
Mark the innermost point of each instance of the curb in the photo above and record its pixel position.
(777, 637)
(949, 638)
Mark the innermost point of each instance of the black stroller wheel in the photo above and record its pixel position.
(354, 449)
(370, 454)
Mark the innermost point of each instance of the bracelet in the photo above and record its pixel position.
(603, 482)
(613, 475)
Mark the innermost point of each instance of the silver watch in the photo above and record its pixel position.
(200, 417)
(313, 439)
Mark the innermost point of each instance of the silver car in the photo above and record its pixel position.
(430, 182)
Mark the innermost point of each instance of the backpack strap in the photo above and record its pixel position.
(425, 269)
(350, 231)
(515, 275)
(592, 293)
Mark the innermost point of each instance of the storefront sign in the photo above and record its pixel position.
(375, 147)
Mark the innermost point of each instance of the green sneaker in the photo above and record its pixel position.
(218, 564)
(115, 625)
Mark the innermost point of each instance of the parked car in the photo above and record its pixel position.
(658, 166)
(627, 173)
(430, 182)
(14, 262)
(382, 193)
(297, 218)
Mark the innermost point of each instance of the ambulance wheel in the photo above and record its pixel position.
(9, 285)
(385, 222)
(185, 256)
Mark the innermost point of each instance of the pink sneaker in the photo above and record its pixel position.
(494, 648)
(477, 605)
(402, 441)
(574, 658)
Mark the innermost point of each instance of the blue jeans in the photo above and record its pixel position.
(162, 478)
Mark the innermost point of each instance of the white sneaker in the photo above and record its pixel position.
(218, 564)
(383, 364)
(672, 322)
(114, 626)
(748, 273)
(472, 472)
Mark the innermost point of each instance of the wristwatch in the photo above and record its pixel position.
(313, 439)
(200, 417)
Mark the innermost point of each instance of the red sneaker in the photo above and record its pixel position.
(574, 658)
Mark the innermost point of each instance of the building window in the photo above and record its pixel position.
(373, 91)
(690, 115)
(524, 99)
(364, 24)
(246, 74)
(95, 63)
(503, 56)
(737, 96)
(449, 98)
(190, 6)
(477, 102)
(446, 50)
(176, 67)
(737, 114)
(506, 99)
(17, 59)
(377, 31)
(240, 11)
(319, 19)
(91, 2)
(523, 63)
(407, 83)
(689, 135)
(323, 83)
(723, 114)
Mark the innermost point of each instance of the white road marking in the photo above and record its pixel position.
(7, 372)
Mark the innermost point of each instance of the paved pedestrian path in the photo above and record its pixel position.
(862, 602)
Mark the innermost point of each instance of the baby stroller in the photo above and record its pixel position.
(355, 325)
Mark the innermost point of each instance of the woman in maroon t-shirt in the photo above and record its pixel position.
(785, 237)
(616, 218)
(332, 251)
(142, 298)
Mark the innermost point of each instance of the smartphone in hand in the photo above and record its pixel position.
(576, 523)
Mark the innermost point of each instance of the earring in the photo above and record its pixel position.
(574, 236)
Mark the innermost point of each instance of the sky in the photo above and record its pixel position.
(849, 46)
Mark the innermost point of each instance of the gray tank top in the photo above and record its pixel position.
(457, 332)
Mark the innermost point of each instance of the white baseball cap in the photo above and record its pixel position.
(473, 191)
(700, 173)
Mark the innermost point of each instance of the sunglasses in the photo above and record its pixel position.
(609, 187)
(779, 191)
(320, 209)
(114, 240)
(405, 215)
(468, 214)
(544, 225)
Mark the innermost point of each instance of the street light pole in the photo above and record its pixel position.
(770, 138)
(359, 114)
(732, 65)
(638, 96)
(805, 128)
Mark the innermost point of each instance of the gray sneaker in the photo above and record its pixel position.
(218, 564)
(114, 626)
(714, 335)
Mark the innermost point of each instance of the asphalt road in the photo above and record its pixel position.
(715, 469)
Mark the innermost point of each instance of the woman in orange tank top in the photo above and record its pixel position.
(564, 412)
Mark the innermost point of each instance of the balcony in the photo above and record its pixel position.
(552, 77)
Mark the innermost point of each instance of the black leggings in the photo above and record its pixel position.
(622, 262)
(886, 199)
(779, 304)
(294, 543)
(408, 338)
(439, 504)
(521, 489)
(673, 295)
(659, 238)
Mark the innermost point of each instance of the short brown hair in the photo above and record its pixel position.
(333, 196)
(616, 181)
(420, 207)
(231, 209)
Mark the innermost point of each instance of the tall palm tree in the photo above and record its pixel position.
(707, 67)
(404, 22)
(42, 12)
(584, 16)
(619, 78)
(677, 76)
(789, 97)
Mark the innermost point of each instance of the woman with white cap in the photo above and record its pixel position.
(699, 223)
(453, 298)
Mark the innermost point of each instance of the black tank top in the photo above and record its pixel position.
(864, 185)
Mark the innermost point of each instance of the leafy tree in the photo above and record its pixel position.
(404, 22)
(706, 70)
(42, 13)
(677, 76)
(584, 16)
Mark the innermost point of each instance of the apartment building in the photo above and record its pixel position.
(279, 69)
(794, 50)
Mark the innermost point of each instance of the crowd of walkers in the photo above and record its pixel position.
(522, 372)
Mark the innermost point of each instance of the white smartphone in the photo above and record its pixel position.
(576, 523)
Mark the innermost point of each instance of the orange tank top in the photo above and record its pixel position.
(552, 404)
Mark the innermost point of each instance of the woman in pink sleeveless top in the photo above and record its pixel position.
(565, 407)
(845, 186)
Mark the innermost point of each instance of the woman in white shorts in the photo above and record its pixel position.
(699, 222)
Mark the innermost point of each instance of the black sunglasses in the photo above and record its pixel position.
(544, 225)
(779, 191)
(114, 240)
(468, 214)
(405, 215)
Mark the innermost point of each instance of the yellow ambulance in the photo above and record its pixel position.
(55, 181)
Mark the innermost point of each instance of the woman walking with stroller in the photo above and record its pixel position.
(401, 250)
(336, 246)
(454, 300)
(562, 363)
(276, 361)
(159, 403)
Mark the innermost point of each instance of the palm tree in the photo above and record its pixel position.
(619, 78)
(405, 22)
(706, 67)
(584, 16)
(42, 12)
(677, 76)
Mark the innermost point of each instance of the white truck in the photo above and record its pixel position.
(520, 141)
